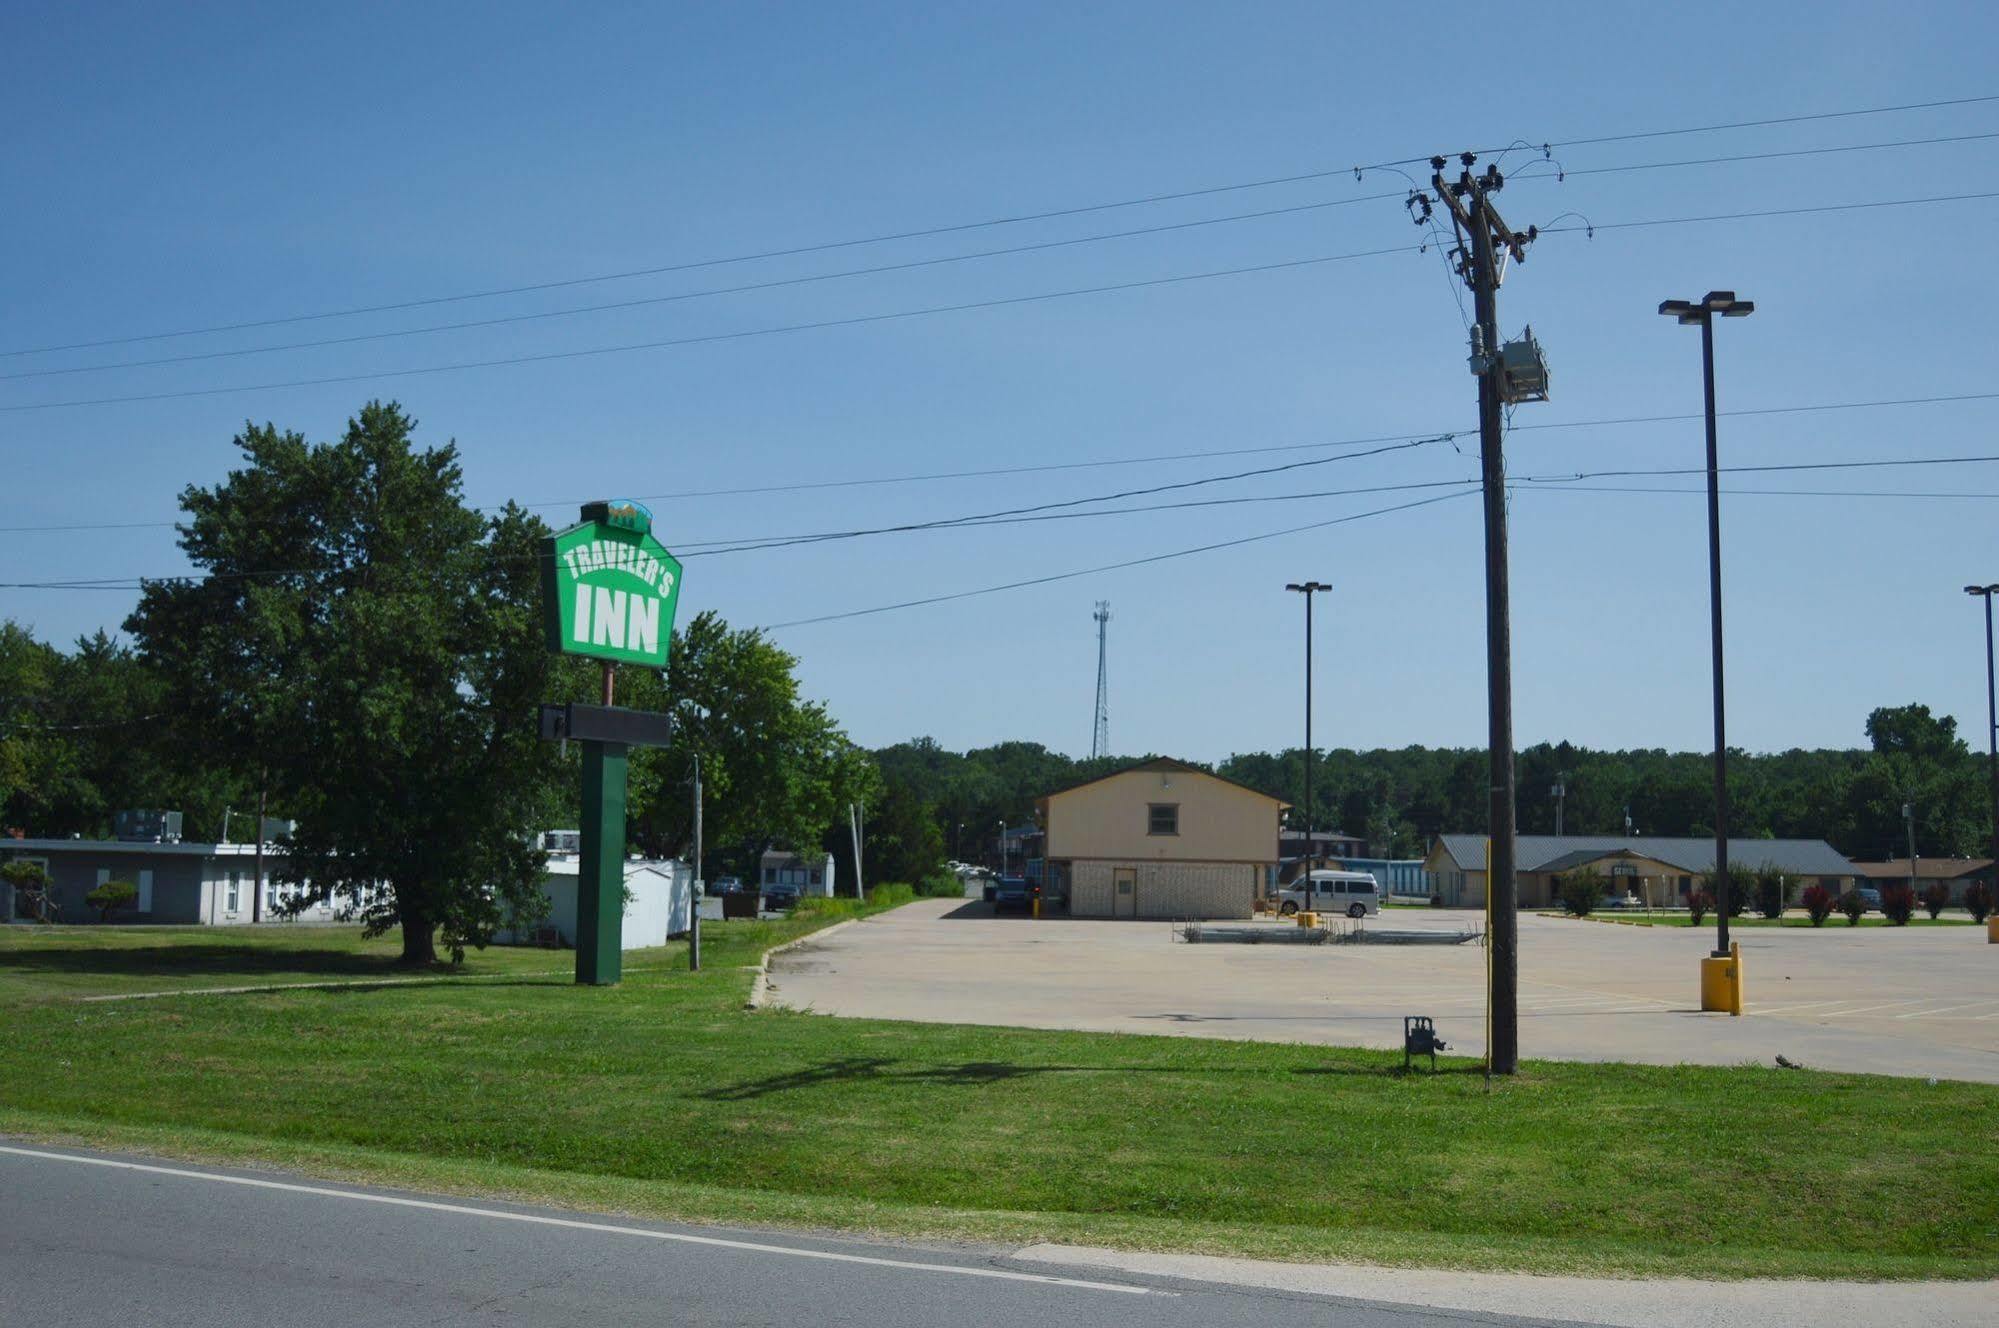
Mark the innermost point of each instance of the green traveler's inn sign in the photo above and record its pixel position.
(609, 589)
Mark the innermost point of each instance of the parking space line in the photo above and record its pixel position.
(1917, 1014)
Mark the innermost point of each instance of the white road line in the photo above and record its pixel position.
(1867, 1009)
(1924, 1014)
(536, 1219)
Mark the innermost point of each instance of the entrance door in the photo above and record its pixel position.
(1124, 892)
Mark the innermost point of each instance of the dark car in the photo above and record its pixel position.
(1012, 892)
(779, 897)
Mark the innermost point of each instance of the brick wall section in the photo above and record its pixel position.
(1167, 889)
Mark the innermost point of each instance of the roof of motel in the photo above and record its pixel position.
(1553, 853)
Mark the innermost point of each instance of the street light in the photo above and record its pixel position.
(1991, 713)
(1689, 314)
(1308, 589)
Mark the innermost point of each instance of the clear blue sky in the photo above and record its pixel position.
(179, 167)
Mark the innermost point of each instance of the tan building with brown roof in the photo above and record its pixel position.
(1957, 873)
(1161, 839)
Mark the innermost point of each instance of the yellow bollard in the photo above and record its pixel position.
(1992, 929)
(1308, 919)
(1721, 980)
(1037, 908)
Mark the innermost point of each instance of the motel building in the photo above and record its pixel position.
(1659, 872)
(1160, 839)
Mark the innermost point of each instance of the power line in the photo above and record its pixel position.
(1113, 567)
(1042, 512)
(1761, 124)
(696, 294)
(779, 542)
(953, 228)
(1531, 487)
(712, 337)
(1208, 454)
(915, 264)
(901, 314)
(1593, 227)
(1768, 156)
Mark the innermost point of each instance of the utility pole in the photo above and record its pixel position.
(695, 892)
(1909, 824)
(854, 820)
(257, 895)
(1308, 589)
(1484, 243)
(1100, 733)
(1560, 792)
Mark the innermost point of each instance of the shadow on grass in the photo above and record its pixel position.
(856, 1068)
(209, 960)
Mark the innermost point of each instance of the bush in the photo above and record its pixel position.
(1935, 898)
(1770, 892)
(1580, 891)
(1818, 902)
(940, 884)
(1853, 906)
(31, 886)
(1978, 900)
(111, 896)
(1699, 901)
(1898, 904)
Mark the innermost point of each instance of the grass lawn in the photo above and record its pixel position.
(664, 1097)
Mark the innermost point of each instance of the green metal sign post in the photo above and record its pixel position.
(609, 592)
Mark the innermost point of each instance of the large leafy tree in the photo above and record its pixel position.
(775, 768)
(367, 647)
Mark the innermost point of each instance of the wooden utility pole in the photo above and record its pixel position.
(1484, 242)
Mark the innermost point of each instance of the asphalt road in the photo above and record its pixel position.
(94, 1239)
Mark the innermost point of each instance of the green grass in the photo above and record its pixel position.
(1838, 920)
(664, 1097)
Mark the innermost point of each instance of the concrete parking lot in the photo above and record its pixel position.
(1921, 1001)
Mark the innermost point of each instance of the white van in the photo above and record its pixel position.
(1351, 893)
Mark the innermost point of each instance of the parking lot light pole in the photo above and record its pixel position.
(1308, 589)
(1690, 314)
(1991, 712)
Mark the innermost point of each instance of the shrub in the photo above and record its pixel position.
(1853, 906)
(1935, 898)
(1580, 891)
(31, 882)
(1818, 902)
(1978, 900)
(941, 884)
(1770, 892)
(1699, 901)
(1741, 889)
(111, 896)
(1898, 904)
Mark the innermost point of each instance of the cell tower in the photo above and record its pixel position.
(1100, 736)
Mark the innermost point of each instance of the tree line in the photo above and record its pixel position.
(1400, 799)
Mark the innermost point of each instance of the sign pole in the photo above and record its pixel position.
(609, 590)
(600, 881)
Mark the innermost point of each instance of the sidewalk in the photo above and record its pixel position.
(1665, 1303)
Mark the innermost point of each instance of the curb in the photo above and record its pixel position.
(760, 985)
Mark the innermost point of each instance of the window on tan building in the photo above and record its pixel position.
(1162, 818)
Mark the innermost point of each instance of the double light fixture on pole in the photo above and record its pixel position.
(1702, 314)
